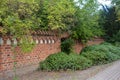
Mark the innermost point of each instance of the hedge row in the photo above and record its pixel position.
(91, 55)
(62, 61)
(101, 54)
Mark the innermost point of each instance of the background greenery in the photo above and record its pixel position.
(79, 19)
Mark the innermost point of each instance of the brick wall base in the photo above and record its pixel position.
(79, 46)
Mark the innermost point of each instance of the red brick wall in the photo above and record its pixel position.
(79, 46)
(95, 41)
(39, 53)
(50, 45)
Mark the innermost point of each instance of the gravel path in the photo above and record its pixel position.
(29, 73)
(111, 73)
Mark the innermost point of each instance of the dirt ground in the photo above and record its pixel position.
(28, 74)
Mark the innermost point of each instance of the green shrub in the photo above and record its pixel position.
(85, 63)
(77, 62)
(67, 45)
(95, 57)
(101, 54)
(62, 61)
(117, 44)
(91, 55)
(100, 57)
(116, 37)
(101, 47)
(104, 47)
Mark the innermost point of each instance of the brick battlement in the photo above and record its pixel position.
(46, 44)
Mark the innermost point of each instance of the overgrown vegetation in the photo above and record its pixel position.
(110, 22)
(19, 17)
(87, 16)
(91, 55)
(67, 45)
(117, 6)
(101, 54)
(62, 61)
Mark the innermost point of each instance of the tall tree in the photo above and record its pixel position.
(54, 14)
(116, 3)
(110, 22)
(17, 18)
(87, 20)
(80, 18)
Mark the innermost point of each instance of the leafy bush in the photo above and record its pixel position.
(91, 55)
(67, 45)
(100, 57)
(101, 54)
(117, 44)
(62, 61)
(104, 47)
(116, 37)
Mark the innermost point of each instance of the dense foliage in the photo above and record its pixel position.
(62, 61)
(110, 20)
(110, 23)
(91, 55)
(117, 6)
(100, 54)
(53, 13)
(67, 45)
(79, 18)
(17, 18)
(87, 16)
